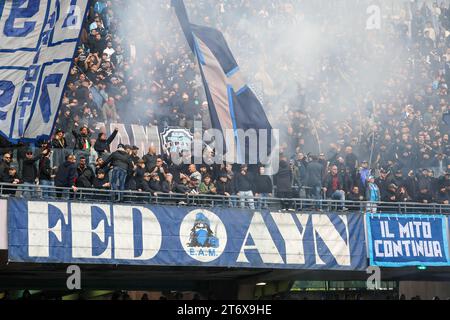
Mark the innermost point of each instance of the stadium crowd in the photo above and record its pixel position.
(388, 142)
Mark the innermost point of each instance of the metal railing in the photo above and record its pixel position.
(51, 193)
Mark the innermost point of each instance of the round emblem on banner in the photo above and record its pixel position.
(203, 235)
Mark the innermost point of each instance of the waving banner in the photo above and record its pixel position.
(233, 106)
(407, 240)
(38, 39)
(60, 232)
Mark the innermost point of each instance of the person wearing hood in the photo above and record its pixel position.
(66, 176)
(283, 179)
(391, 193)
(102, 145)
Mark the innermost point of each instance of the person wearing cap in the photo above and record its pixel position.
(59, 140)
(143, 183)
(139, 172)
(207, 186)
(102, 145)
(391, 194)
(383, 183)
(59, 147)
(193, 183)
(372, 195)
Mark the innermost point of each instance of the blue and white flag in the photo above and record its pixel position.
(38, 39)
(407, 240)
(233, 107)
(90, 233)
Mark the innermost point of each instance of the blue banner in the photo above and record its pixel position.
(38, 40)
(60, 232)
(407, 240)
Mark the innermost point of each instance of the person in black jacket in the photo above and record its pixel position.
(30, 173)
(102, 145)
(140, 172)
(45, 175)
(59, 146)
(443, 196)
(263, 188)
(4, 167)
(283, 181)
(82, 142)
(424, 196)
(85, 175)
(170, 186)
(66, 176)
(314, 179)
(355, 197)
(143, 185)
(155, 184)
(244, 187)
(150, 159)
(122, 165)
(11, 178)
(225, 188)
(101, 183)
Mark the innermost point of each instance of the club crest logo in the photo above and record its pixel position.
(203, 235)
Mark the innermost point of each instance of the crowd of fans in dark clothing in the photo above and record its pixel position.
(393, 146)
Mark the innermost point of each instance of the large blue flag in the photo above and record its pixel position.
(233, 107)
(38, 39)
